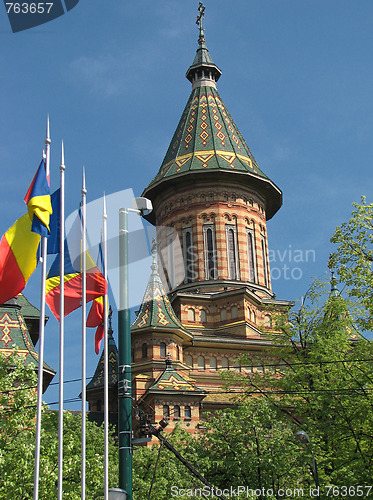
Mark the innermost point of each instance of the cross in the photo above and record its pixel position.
(201, 14)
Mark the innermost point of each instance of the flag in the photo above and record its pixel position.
(53, 245)
(38, 202)
(18, 258)
(96, 318)
(96, 284)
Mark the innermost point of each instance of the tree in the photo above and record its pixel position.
(354, 257)
(17, 442)
(321, 378)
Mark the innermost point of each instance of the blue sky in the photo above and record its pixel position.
(297, 79)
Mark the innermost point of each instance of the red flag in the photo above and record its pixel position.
(96, 318)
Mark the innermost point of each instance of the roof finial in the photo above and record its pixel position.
(334, 292)
(154, 266)
(201, 14)
(110, 329)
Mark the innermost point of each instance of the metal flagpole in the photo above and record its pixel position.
(43, 259)
(106, 359)
(62, 322)
(84, 319)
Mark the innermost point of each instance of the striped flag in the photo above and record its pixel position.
(38, 202)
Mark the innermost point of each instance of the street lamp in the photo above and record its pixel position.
(140, 206)
(304, 438)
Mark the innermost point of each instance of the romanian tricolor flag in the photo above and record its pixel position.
(38, 202)
(18, 258)
(96, 318)
(96, 284)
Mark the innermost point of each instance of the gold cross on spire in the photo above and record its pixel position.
(201, 9)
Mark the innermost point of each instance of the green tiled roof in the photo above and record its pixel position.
(14, 333)
(156, 310)
(207, 139)
(171, 380)
(97, 380)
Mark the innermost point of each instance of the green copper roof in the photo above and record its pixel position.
(156, 310)
(171, 380)
(97, 380)
(14, 334)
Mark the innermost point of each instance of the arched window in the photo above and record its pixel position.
(162, 349)
(251, 255)
(166, 412)
(176, 412)
(177, 352)
(237, 365)
(232, 253)
(187, 413)
(264, 257)
(191, 315)
(213, 364)
(201, 363)
(234, 312)
(223, 314)
(203, 316)
(254, 317)
(211, 272)
(144, 350)
(225, 363)
(188, 255)
(267, 321)
(249, 313)
(189, 360)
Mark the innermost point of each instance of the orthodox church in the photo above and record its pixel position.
(212, 302)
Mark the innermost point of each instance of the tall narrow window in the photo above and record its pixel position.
(170, 259)
(176, 412)
(189, 360)
(144, 350)
(211, 272)
(251, 255)
(187, 413)
(166, 412)
(201, 363)
(264, 257)
(188, 255)
(162, 348)
(232, 253)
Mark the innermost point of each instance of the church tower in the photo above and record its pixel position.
(210, 199)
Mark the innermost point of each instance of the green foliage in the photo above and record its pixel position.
(354, 257)
(17, 442)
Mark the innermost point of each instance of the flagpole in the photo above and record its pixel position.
(62, 323)
(84, 319)
(106, 361)
(43, 259)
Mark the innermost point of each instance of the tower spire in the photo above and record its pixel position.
(203, 71)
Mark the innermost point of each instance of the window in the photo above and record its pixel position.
(189, 360)
(249, 314)
(187, 413)
(234, 312)
(177, 352)
(267, 321)
(201, 363)
(211, 272)
(162, 349)
(232, 252)
(237, 365)
(264, 257)
(166, 412)
(170, 258)
(188, 255)
(144, 350)
(225, 363)
(254, 317)
(251, 255)
(176, 412)
(191, 315)
(213, 364)
(223, 314)
(203, 316)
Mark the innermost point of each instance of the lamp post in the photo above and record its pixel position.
(304, 438)
(139, 206)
